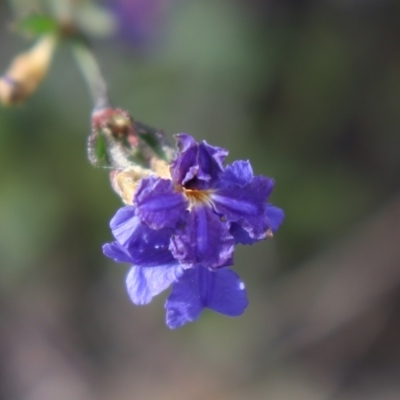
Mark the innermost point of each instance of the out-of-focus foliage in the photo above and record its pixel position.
(309, 91)
(34, 24)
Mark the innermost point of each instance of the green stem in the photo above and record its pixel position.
(92, 75)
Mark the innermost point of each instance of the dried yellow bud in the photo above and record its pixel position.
(160, 167)
(125, 182)
(26, 72)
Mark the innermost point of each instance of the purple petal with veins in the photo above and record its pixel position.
(203, 239)
(159, 205)
(199, 288)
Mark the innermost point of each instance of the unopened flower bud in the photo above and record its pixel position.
(26, 72)
(117, 141)
(116, 122)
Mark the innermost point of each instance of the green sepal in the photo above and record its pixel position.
(97, 150)
(154, 138)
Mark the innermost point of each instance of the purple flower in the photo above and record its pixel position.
(155, 269)
(140, 21)
(182, 231)
(209, 207)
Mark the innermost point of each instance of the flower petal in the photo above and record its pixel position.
(184, 167)
(145, 246)
(145, 283)
(228, 295)
(275, 216)
(198, 288)
(149, 248)
(117, 252)
(197, 166)
(205, 238)
(124, 223)
(245, 205)
(239, 173)
(241, 236)
(159, 205)
(211, 160)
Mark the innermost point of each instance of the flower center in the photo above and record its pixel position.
(197, 197)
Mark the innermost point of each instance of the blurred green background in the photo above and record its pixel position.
(309, 91)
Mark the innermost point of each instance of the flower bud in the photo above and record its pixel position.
(26, 72)
(116, 122)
